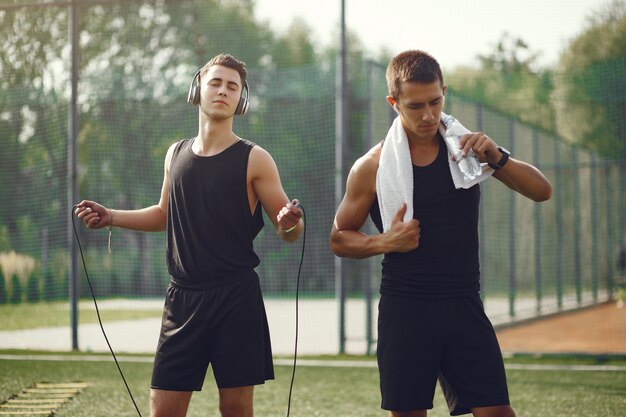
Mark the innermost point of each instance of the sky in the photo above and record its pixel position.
(453, 31)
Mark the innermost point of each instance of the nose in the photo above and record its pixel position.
(428, 114)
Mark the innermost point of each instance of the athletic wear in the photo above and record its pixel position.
(225, 325)
(209, 226)
(431, 322)
(214, 309)
(446, 262)
(450, 339)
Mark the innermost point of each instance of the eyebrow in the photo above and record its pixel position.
(221, 79)
(415, 103)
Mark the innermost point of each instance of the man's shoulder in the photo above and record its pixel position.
(369, 161)
(365, 168)
(175, 147)
(248, 143)
(260, 160)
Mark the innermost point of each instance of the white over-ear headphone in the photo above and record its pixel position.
(193, 96)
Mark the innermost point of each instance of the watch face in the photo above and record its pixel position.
(504, 150)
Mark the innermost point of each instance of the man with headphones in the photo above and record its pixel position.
(213, 189)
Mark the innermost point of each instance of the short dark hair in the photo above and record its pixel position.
(412, 66)
(229, 61)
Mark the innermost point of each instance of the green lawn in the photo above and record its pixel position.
(51, 314)
(320, 391)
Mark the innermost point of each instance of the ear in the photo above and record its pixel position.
(392, 102)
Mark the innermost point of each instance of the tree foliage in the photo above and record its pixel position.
(508, 80)
(592, 91)
(136, 62)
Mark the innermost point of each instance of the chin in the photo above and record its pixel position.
(219, 115)
(426, 133)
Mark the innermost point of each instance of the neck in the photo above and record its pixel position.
(422, 142)
(214, 135)
(423, 149)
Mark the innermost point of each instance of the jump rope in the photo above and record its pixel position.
(93, 296)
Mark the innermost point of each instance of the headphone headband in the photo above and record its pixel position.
(193, 96)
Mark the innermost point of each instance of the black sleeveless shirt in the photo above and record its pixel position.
(445, 264)
(209, 225)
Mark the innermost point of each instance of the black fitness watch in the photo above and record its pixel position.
(503, 160)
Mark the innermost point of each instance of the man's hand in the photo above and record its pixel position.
(483, 146)
(404, 236)
(94, 215)
(289, 216)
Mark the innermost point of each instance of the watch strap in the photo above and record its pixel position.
(503, 160)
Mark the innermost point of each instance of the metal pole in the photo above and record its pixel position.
(512, 248)
(481, 223)
(609, 196)
(369, 270)
(577, 225)
(559, 225)
(595, 270)
(340, 154)
(538, 230)
(73, 281)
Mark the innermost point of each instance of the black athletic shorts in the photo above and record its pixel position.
(225, 326)
(420, 341)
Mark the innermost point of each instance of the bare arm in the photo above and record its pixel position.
(149, 219)
(265, 185)
(517, 175)
(346, 239)
(525, 179)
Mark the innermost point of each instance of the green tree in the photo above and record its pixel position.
(31, 40)
(33, 292)
(136, 63)
(294, 48)
(509, 80)
(16, 289)
(593, 84)
(3, 288)
(50, 290)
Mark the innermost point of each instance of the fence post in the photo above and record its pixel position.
(610, 227)
(595, 271)
(341, 155)
(369, 270)
(512, 266)
(577, 217)
(481, 216)
(537, 213)
(74, 274)
(559, 224)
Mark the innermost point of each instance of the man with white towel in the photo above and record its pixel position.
(423, 198)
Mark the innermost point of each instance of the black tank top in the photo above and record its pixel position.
(445, 264)
(209, 225)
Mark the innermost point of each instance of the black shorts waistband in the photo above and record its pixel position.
(233, 279)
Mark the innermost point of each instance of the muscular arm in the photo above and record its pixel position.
(525, 179)
(517, 175)
(149, 219)
(265, 185)
(346, 239)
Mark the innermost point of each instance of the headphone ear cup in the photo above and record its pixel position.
(242, 106)
(193, 96)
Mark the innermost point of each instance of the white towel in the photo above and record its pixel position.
(394, 179)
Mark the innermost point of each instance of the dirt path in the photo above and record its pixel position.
(596, 330)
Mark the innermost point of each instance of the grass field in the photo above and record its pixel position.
(52, 314)
(319, 390)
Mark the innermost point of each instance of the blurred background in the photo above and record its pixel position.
(92, 93)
